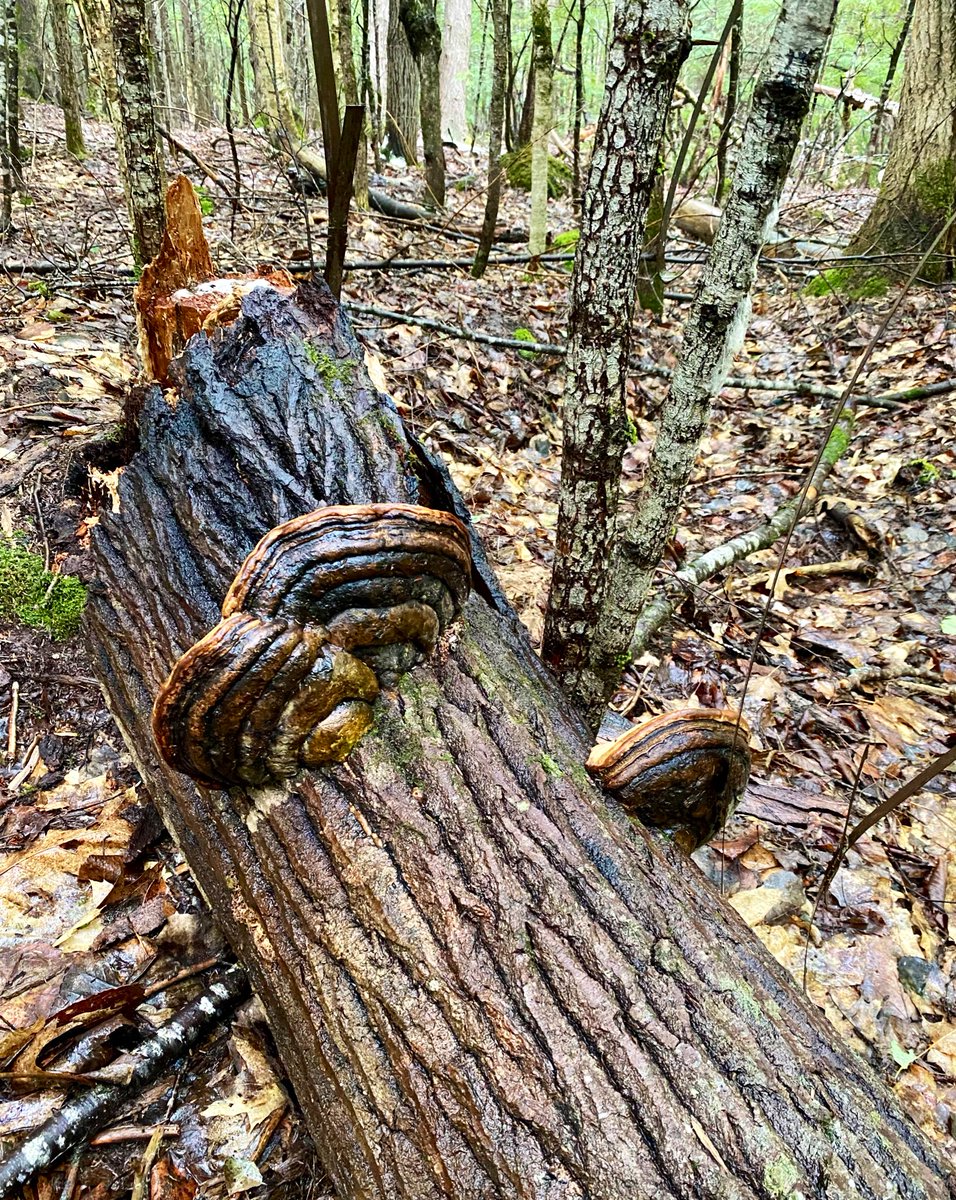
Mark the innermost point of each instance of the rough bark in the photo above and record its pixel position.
(142, 160)
(541, 126)
(11, 91)
(918, 191)
(402, 87)
(483, 981)
(648, 45)
(420, 21)
(713, 334)
(496, 120)
(455, 53)
(69, 89)
(580, 17)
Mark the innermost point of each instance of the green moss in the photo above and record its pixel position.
(330, 370)
(854, 283)
(525, 335)
(567, 240)
(36, 597)
(780, 1177)
(517, 165)
(550, 767)
(207, 206)
(935, 188)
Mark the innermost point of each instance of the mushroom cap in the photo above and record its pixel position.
(684, 771)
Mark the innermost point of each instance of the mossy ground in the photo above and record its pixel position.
(517, 165)
(34, 596)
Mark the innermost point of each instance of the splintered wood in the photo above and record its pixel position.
(180, 292)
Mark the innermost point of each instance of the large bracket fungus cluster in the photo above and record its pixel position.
(327, 608)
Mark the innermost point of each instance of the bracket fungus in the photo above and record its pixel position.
(327, 608)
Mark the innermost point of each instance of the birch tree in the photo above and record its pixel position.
(455, 47)
(541, 129)
(714, 333)
(648, 45)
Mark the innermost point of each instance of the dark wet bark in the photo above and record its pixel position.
(482, 980)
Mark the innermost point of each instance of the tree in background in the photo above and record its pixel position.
(8, 21)
(541, 127)
(273, 90)
(455, 50)
(496, 120)
(918, 193)
(350, 95)
(420, 21)
(69, 87)
(401, 92)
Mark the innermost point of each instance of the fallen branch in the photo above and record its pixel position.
(658, 610)
(194, 158)
(82, 1115)
(797, 387)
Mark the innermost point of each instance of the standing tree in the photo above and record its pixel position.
(273, 89)
(649, 44)
(455, 48)
(350, 95)
(69, 89)
(143, 177)
(496, 120)
(541, 127)
(594, 606)
(401, 91)
(420, 21)
(8, 11)
(918, 193)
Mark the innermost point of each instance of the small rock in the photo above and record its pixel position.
(922, 978)
(781, 896)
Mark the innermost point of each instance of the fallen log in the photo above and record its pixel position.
(483, 981)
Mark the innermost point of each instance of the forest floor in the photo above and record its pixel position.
(95, 902)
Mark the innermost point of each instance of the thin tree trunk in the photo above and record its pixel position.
(892, 67)
(482, 980)
(96, 20)
(6, 163)
(69, 90)
(730, 108)
(455, 52)
(267, 45)
(402, 102)
(12, 95)
(496, 117)
(541, 127)
(424, 38)
(713, 334)
(578, 102)
(351, 94)
(143, 178)
(647, 48)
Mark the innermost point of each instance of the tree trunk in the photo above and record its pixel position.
(647, 48)
(6, 156)
(143, 175)
(402, 104)
(483, 981)
(30, 43)
(918, 192)
(496, 120)
(273, 90)
(350, 92)
(455, 52)
(578, 102)
(11, 98)
(69, 90)
(96, 20)
(424, 39)
(714, 332)
(541, 127)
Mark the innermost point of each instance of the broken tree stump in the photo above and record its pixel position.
(483, 981)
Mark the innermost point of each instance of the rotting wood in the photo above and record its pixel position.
(483, 981)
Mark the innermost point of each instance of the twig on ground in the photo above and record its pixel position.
(81, 1115)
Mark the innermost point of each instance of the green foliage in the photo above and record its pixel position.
(37, 597)
(525, 335)
(567, 240)
(207, 206)
(40, 287)
(517, 165)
